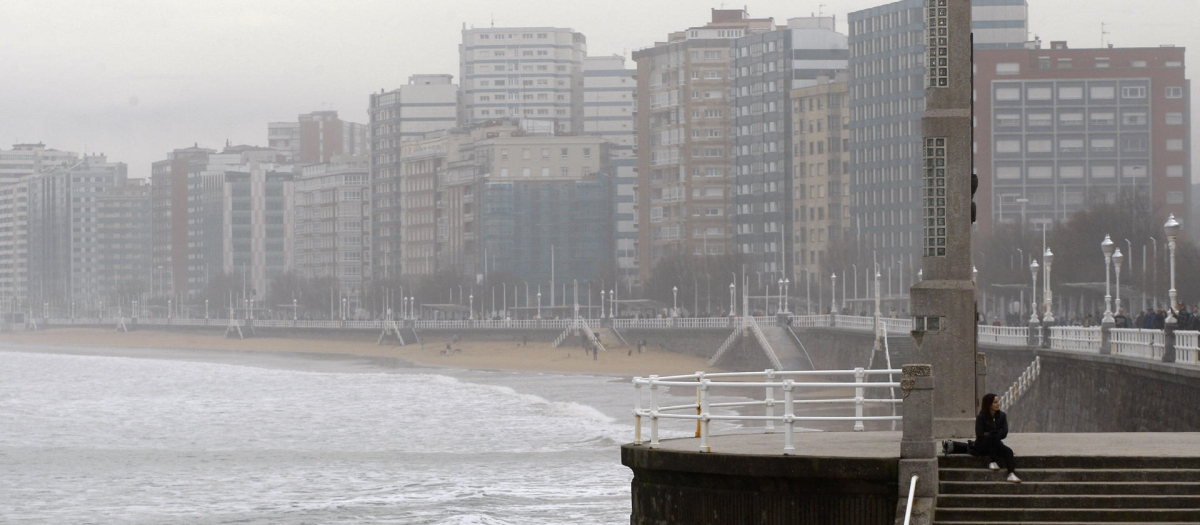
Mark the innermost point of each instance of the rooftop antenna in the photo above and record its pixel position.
(1103, 33)
(493, 20)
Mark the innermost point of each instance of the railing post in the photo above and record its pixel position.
(789, 448)
(699, 401)
(637, 411)
(1047, 334)
(1168, 343)
(1106, 337)
(704, 416)
(770, 401)
(653, 411)
(859, 376)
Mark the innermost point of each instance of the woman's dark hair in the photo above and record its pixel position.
(985, 406)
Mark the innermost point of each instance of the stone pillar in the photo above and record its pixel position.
(918, 448)
(943, 304)
(1106, 337)
(1034, 342)
(1169, 342)
(980, 375)
(1046, 334)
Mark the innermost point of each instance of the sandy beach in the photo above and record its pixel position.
(536, 357)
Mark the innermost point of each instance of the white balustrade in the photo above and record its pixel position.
(821, 386)
(1023, 383)
(1075, 339)
(1004, 335)
(1136, 342)
(1187, 347)
(811, 321)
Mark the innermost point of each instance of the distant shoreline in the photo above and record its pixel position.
(483, 356)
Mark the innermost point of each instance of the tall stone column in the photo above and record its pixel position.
(918, 448)
(943, 304)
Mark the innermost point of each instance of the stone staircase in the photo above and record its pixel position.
(789, 354)
(1070, 489)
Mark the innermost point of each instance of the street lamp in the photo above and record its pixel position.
(1107, 246)
(471, 308)
(1033, 270)
(602, 311)
(344, 309)
(612, 302)
(779, 307)
(1117, 258)
(1048, 295)
(1172, 229)
(833, 302)
(732, 292)
(675, 301)
(786, 304)
(539, 306)
(206, 308)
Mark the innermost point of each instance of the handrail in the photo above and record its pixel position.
(1023, 383)
(770, 380)
(591, 337)
(725, 346)
(762, 341)
(912, 489)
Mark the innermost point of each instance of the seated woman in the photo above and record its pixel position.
(991, 427)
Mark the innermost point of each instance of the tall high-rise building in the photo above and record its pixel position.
(887, 100)
(767, 67)
(329, 199)
(1059, 129)
(684, 148)
(428, 103)
(316, 137)
(241, 219)
(125, 243)
(65, 239)
(820, 152)
(24, 160)
(610, 110)
(169, 205)
(522, 72)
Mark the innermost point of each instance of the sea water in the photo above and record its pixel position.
(285, 440)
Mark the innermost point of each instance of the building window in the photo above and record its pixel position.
(1008, 146)
(1133, 118)
(935, 194)
(1175, 119)
(1174, 144)
(1104, 172)
(1137, 63)
(1102, 62)
(1039, 93)
(1174, 92)
(1102, 92)
(1008, 68)
(1174, 197)
(938, 22)
(1133, 172)
(1175, 171)
(1133, 92)
(1041, 172)
(1070, 93)
(1070, 172)
(1008, 94)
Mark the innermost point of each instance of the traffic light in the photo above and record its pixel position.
(974, 188)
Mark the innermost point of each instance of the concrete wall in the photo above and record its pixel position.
(843, 349)
(1098, 393)
(696, 342)
(682, 488)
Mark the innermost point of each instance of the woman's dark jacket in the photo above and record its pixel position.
(989, 427)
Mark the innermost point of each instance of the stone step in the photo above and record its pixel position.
(1069, 487)
(1131, 515)
(1069, 475)
(1067, 501)
(1077, 462)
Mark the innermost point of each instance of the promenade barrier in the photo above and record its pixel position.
(1004, 335)
(816, 383)
(1187, 347)
(1136, 342)
(752, 324)
(1075, 339)
(1023, 383)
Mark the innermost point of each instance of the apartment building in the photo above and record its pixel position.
(316, 137)
(24, 160)
(169, 206)
(820, 153)
(767, 67)
(609, 110)
(887, 101)
(1059, 129)
(684, 148)
(331, 200)
(125, 241)
(522, 72)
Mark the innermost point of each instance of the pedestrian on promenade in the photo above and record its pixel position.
(991, 427)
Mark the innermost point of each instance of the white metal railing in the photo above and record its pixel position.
(769, 380)
(1004, 335)
(898, 326)
(1187, 347)
(644, 323)
(912, 491)
(1135, 342)
(1075, 339)
(729, 342)
(1023, 383)
(762, 341)
(591, 337)
(562, 337)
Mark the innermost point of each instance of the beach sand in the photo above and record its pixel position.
(536, 357)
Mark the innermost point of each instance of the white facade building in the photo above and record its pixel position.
(522, 72)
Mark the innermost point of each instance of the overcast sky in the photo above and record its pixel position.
(136, 79)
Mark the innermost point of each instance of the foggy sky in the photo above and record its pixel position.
(136, 79)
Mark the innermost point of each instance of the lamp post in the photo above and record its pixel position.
(206, 308)
(675, 301)
(602, 311)
(539, 306)
(1033, 270)
(1048, 295)
(787, 307)
(732, 291)
(1172, 229)
(471, 308)
(612, 302)
(833, 302)
(1117, 258)
(343, 309)
(779, 303)
(1107, 246)
(575, 296)
(855, 281)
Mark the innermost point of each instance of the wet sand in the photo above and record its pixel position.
(536, 357)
